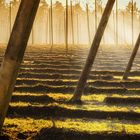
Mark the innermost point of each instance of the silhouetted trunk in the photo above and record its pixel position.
(103, 34)
(88, 25)
(124, 27)
(59, 32)
(114, 28)
(77, 29)
(95, 15)
(72, 26)
(130, 63)
(15, 52)
(10, 17)
(93, 51)
(32, 35)
(116, 22)
(47, 29)
(132, 16)
(64, 27)
(51, 26)
(66, 43)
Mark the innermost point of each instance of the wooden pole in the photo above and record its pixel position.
(66, 43)
(132, 16)
(133, 55)
(10, 17)
(93, 52)
(51, 26)
(88, 25)
(95, 15)
(101, 14)
(64, 27)
(47, 28)
(72, 26)
(114, 27)
(15, 52)
(124, 27)
(33, 35)
(77, 29)
(116, 22)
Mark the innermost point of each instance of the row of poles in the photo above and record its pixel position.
(72, 23)
(88, 23)
(17, 45)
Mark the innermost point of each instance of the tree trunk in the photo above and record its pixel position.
(132, 23)
(114, 27)
(77, 29)
(33, 35)
(15, 52)
(51, 26)
(66, 43)
(47, 28)
(124, 27)
(72, 27)
(93, 51)
(88, 25)
(130, 63)
(116, 22)
(10, 18)
(95, 15)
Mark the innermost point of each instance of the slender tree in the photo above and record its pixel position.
(132, 19)
(88, 24)
(117, 23)
(10, 16)
(77, 28)
(51, 25)
(114, 27)
(15, 52)
(66, 43)
(93, 51)
(95, 15)
(124, 26)
(133, 55)
(72, 26)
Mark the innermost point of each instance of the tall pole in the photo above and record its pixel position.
(101, 15)
(116, 22)
(88, 25)
(77, 29)
(133, 55)
(93, 52)
(15, 52)
(33, 35)
(47, 28)
(66, 43)
(114, 27)
(124, 27)
(51, 25)
(132, 16)
(64, 27)
(10, 17)
(72, 26)
(95, 15)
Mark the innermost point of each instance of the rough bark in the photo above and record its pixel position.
(116, 22)
(51, 26)
(66, 43)
(15, 52)
(88, 24)
(72, 26)
(93, 51)
(133, 55)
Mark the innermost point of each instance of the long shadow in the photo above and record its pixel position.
(55, 111)
(64, 134)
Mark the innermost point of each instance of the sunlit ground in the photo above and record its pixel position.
(46, 82)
